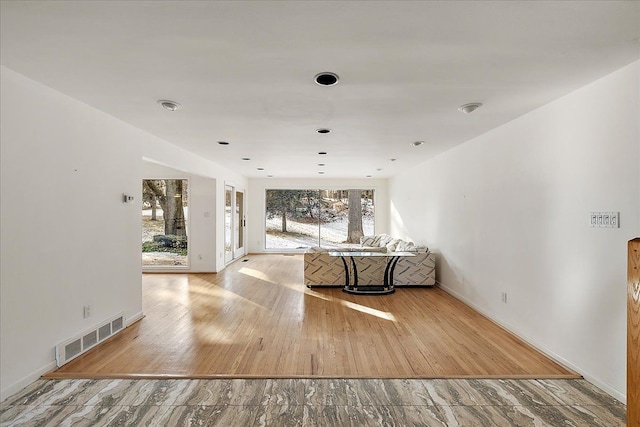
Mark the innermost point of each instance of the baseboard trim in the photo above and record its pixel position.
(22, 383)
(133, 319)
(622, 397)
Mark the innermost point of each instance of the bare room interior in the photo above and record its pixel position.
(319, 212)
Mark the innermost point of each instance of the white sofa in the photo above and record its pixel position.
(320, 269)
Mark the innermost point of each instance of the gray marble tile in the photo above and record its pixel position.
(356, 416)
(9, 414)
(530, 393)
(208, 392)
(428, 416)
(497, 416)
(233, 415)
(47, 392)
(468, 392)
(365, 392)
(157, 415)
(587, 415)
(386, 392)
(311, 402)
(321, 392)
(105, 393)
(578, 392)
(285, 415)
(45, 416)
(407, 392)
(284, 392)
(491, 392)
(242, 392)
(21, 397)
(155, 392)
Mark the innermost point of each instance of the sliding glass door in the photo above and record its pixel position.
(298, 219)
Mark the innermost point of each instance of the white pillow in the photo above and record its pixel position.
(403, 246)
(368, 240)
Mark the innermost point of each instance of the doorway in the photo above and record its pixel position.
(234, 223)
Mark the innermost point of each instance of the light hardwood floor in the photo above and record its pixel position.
(257, 319)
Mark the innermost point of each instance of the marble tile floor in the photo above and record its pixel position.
(312, 402)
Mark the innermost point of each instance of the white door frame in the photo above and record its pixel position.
(234, 224)
(239, 224)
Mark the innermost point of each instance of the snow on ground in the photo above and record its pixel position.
(301, 234)
(163, 258)
(151, 228)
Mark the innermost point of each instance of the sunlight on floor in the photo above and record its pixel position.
(257, 274)
(368, 310)
(352, 305)
(221, 293)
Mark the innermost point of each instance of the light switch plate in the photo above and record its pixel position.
(604, 219)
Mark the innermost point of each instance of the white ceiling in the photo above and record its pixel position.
(243, 71)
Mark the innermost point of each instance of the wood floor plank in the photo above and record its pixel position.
(257, 319)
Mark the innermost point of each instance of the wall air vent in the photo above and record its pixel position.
(74, 347)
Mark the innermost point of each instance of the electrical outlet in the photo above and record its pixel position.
(87, 311)
(504, 297)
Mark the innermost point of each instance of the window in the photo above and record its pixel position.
(164, 222)
(298, 219)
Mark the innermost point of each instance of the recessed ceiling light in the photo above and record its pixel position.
(320, 173)
(269, 176)
(469, 108)
(392, 160)
(320, 164)
(379, 169)
(260, 169)
(169, 105)
(326, 78)
(417, 143)
(246, 158)
(369, 176)
(322, 153)
(323, 130)
(223, 143)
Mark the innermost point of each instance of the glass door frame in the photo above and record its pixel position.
(239, 223)
(234, 224)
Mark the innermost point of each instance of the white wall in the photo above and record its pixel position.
(256, 192)
(67, 238)
(201, 218)
(507, 212)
